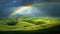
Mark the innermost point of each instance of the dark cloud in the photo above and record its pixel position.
(5, 4)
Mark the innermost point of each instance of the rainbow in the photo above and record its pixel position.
(19, 9)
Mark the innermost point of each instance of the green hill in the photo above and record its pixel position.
(28, 24)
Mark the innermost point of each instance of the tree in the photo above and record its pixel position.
(14, 22)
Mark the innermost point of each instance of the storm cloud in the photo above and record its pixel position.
(7, 5)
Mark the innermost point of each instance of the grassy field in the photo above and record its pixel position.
(28, 24)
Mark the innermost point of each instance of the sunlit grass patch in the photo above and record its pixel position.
(28, 23)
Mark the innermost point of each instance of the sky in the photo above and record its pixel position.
(7, 6)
